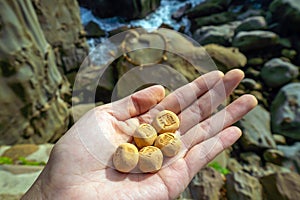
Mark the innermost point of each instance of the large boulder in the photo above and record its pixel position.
(221, 35)
(256, 130)
(125, 8)
(252, 23)
(226, 58)
(241, 185)
(276, 72)
(254, 40)
(214, 19)
(287, 13)
(292, 156)
(206, 184)
(281, 185)
(207, 8)
(285, 113)
(32, 90)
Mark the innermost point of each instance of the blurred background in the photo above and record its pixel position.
(43, 44)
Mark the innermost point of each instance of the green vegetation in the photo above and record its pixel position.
(20, 161)
(5, 160)
(219, 168)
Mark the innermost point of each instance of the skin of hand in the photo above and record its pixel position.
(72, 172)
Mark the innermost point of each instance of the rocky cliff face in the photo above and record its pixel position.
(60, 22)
(37, 37)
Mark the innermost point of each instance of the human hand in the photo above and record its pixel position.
(75, 171)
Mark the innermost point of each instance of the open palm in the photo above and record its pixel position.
(80, 163)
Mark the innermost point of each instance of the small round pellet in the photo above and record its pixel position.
(126, 157)
(166, 121)
(144, 135)
(168, 143)
(150, 160)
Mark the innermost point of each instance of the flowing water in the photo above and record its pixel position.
(162, 15)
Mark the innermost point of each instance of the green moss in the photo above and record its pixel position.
(5, 160)
(219, 168)
(24, 161)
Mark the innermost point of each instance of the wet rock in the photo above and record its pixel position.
(226, 58)
(221, 35)
(292, 156)
(285, 112)
(254, 40)
(252, 23)
(250, 13)
(93, 30)
(208, 7)
(256, 130)
(206, 184)
(274, 156)
(281, 186)
(241, 185)
(287, 13)
(61, 25)
(214, 19)
(127, 8)
(276, 72)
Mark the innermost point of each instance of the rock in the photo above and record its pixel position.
(276, 72)
(254, 40)
(61, 25)
(17, 179)
(233, 165)
(281, 186)
(214, 19)
(32, 152)
(20, 150)
(241, 185)
(285, 115)
(177, 15)
(208, 7)
(221, 35)
(206, 184)
(93, 30)
(289, 53)
(274, 156)
(252, 23)
(287, 13)
(226, 58)
(32, 94)
(15, 185)
(249, 83)
(292, 156)
(250, 13)
(279, 139)
(127, 8)
(251, 159)
(255, 61)
(256, 130)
